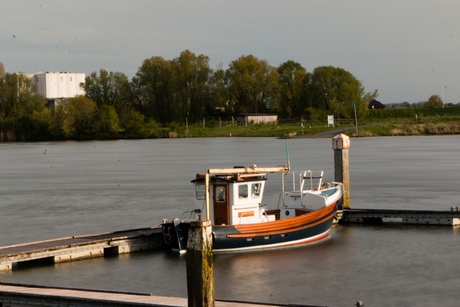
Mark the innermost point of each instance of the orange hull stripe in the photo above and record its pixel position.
(285, 224)
(278, 231)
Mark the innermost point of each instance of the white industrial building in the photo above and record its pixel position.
(58, 85)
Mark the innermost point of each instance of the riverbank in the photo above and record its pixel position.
(390, 127)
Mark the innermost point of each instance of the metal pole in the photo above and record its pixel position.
(208, 212)
(356, 120)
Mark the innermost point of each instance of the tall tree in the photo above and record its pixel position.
(192, 76)
(109, 88)
(153, 88)
(293, 82)
(251, 83)
(337, 90)
(18, 96)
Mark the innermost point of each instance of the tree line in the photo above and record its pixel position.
(182, 90)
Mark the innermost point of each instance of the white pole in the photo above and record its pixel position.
(443, 95)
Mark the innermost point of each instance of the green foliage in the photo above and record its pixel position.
(435, 101)
(449, 111)
(335, 89)
(17, 97)
(251, 84)
(153, 90)
(192, 75)
(391, 113)
(109, 88)
(292, 88)
(106, 120)
(316, 114)
(135, 126)
(174, 127)
(79, 117)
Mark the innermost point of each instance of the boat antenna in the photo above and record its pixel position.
(287, 153)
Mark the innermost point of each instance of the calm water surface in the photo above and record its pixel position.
(52, 190)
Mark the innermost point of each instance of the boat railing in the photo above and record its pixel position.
(304, 177)
(193, 213)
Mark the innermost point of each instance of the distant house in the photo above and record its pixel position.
(57, 85)
(245, 119)
(376, 105)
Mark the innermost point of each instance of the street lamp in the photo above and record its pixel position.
(443, 95)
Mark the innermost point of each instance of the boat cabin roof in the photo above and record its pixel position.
(234, 178)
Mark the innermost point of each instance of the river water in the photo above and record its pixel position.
(58, 189)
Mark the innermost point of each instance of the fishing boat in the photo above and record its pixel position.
(233, 200)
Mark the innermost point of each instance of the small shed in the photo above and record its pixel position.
(245, 119)
(376, 105)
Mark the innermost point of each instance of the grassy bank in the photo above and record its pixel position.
(263, 130)
(428, 126)
(437, 125)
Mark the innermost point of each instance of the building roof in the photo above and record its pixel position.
(374, 104)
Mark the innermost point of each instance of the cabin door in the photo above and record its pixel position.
(221, 210)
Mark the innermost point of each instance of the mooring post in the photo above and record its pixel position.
(200, 276)
(341, 144)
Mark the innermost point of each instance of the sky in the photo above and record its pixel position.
(407, 50)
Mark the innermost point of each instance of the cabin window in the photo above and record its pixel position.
(220, 195)
(255, 190)
(200, 191)
(243, 191)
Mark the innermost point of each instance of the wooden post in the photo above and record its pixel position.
(341, 144)
(200, 275)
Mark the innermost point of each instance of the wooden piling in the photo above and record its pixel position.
(200, 276)
(341, 144)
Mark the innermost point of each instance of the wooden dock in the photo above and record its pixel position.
(415, 217)
(17, 295)
(81, 247)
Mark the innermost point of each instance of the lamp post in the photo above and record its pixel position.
(443, 95)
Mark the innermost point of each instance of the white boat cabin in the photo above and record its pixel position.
(237, 198)
(234, 199)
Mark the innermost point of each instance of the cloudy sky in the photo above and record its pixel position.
(408, 50)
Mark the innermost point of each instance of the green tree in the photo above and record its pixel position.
(434, 101)
(192, 76)
(153, 89)
(337, 90)
(135, 125)
(220, 94)
(109, 88)
(53, 118)
(18, 96)
(2, 70)
(251, 83)
(18, 101)
(79, 118)
(293, 82)
(106, 120)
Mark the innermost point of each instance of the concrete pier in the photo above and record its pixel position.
(81, 247)
(17, 295)
(415, 217)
